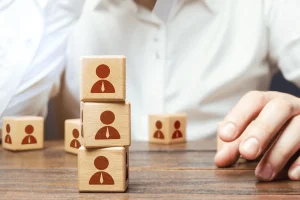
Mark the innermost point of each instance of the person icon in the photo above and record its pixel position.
(75, 143)
(29, 139)
(158, 133)
(7, 137)
(103, 86)
(101, 178)
(107, 132)
(177, 133)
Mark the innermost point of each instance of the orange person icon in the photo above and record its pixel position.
(75, 143)
(107, 132)
(7, 137)
(103, 86)
(158, 133)
(29, 139)
(101, 178)
(177, 133)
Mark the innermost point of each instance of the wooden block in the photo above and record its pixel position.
(106, 124)
(167, 129)
(102, 170)
(73, 137)
(103, 78)
(23, 133)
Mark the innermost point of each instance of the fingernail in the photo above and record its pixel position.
(228, 130)
(295, 173)
(265, 172)
(251, 146)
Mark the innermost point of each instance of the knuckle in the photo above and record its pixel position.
(283, 104)
(257, 96)
(261, 127)
(296, 119)
(281, 152)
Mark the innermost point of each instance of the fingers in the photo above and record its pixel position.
(262, 130)
(294, 171)
(286, 145)
(228, 154)
(242, 114)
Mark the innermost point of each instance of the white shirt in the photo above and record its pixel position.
(201, 61)
(33, 40)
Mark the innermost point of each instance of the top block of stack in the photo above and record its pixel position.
(103, 79)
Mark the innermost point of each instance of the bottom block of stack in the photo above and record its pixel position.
(103, 170)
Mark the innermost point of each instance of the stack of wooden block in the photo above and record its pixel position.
(105, 118)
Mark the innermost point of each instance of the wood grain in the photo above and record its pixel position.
(156, 172)
(50, 183)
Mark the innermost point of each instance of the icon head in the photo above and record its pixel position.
(101, 163)
(177, 124)
(102, 71)
(107, 117)
(158, 125)
(29, 129)
(7, 128)
(75, 133)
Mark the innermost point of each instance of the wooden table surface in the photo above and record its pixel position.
(182, 171)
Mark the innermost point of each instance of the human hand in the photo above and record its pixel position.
(254, 124)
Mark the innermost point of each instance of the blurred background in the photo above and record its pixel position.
(54, 123)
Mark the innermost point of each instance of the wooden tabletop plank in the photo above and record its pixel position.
(160, 157)
(156, 171)
(63, 182)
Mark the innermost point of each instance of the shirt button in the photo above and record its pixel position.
(155, 39)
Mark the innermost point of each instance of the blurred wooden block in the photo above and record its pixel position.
(23, 133)
(103, 78)
(167, 129)
(72, 135)
(102, 170)
(106, 124)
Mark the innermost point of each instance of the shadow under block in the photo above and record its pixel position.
(106, 124)
(73, 137)
(23, 133)
(103, 78)
(167, 129)
(102, 170)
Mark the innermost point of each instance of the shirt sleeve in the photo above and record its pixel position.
(282, 18)
(41, 79)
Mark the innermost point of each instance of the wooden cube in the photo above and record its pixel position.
(168, 128)
(73, 137)
(102, 170)
(106, 124)
(23, 133)
(103, 78)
